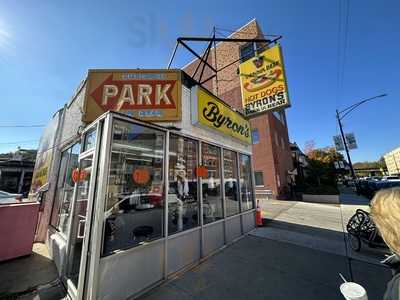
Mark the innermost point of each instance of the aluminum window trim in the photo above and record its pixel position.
(197, 177)
(166, 190)
(237, 179)
(131, 250)
(180, 233)
(114, 117)
(101, 153)
(214, 223)
(220, 148)
(103, 162)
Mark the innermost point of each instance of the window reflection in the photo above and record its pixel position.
(90, 139)
(246, 188)
(182, 192)
(231, 183)
(65, 189)
(135, 202)
(212, 198)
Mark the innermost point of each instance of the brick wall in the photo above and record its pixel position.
(272, 159)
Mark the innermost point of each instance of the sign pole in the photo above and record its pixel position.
(353, 174)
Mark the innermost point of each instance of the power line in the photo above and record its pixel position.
(19, 142)
(345, 41)
(20, 126)
(339, 48)
(342, 44)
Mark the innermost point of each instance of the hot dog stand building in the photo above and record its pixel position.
(142, 174)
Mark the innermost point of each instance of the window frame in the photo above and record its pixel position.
(60, 191)
(238, 196)
(246, 47)
(197, 182)
(251, 180)
(200, 142)
(221, 192)
(164, 174)
(255, 132)
(255, 179)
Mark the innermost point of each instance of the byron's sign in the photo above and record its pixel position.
(151, 95)
(211, 112)
(263, 83)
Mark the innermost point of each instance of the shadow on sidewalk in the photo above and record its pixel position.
(25, 274)
(260, 268)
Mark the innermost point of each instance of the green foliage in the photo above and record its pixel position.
(371, 164)
(321, 169)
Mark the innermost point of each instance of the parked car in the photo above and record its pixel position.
(6, 197)
(348, 182)
(391, 178)
(368, 188)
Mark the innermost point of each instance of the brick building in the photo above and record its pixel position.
(271, 148)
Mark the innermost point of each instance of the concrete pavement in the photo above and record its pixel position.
(261, 268)
(319, 226)
(298, 255)
(25, 274)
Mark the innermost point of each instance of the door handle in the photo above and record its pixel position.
(79, 235)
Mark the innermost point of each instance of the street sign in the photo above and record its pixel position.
(339, 164)
(337, 139)
(351, 141)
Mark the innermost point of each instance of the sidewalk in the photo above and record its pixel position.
(260, 268)
(30, 277)
(319, 226)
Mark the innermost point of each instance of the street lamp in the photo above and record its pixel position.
(340, 115)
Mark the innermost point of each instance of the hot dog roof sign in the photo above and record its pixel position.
(151, 95)
(263, 83)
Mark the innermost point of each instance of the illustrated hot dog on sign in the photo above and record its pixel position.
(262, 81)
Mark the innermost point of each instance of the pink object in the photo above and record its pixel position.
(17, 229)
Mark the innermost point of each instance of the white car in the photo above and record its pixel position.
(6, 197)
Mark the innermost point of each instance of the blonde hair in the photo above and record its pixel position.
(385, 212)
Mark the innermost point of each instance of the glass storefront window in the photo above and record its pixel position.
(79, 218)
(246, 187)
(212, 196)
(231, 183)
(59, 188)
(65, 189)
(135, 194)
(90, 140)
(182, 192)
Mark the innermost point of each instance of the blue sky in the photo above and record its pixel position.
(47, 46)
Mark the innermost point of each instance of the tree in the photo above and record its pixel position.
(309, 147)
(321, 166)
(370, 164)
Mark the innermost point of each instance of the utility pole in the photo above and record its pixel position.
(340, 115)
(353, 174)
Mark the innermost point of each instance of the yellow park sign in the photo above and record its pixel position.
(263, 83)
(213, 113)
